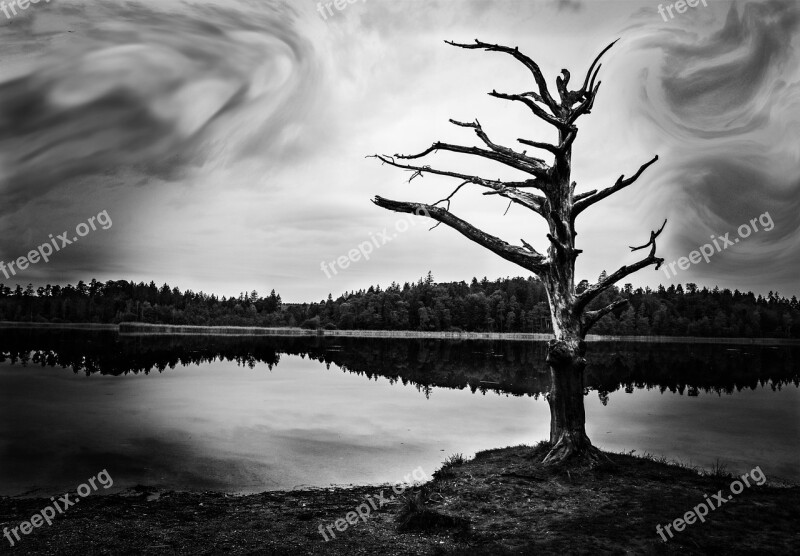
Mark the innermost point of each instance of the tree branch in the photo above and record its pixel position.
(504, 189)
(589, 77)
(530, 248)
(585, 107)
(418, 171)
(533, 161)
(527, 62)
(591, 317)
(544, 146)
(583, 299)
(561, 84)
(533, 262)
(572, 133)
(559, 150)
(585, 200)
(535, 108)
(521, 163)
(534, 96)
(447, 199)
(653, 236)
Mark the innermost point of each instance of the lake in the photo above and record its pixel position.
(248, 414)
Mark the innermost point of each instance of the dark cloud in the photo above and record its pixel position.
(728, 104)
(714, 87)
(146, 89)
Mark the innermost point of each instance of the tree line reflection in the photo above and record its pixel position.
(509, 368)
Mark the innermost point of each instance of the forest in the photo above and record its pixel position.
(502, 305)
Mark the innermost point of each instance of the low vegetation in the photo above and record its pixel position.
(501, 502)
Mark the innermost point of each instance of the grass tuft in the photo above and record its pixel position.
(446, 471)
(718, 471)
(455, 459)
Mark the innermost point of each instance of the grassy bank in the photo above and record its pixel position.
(502, 502)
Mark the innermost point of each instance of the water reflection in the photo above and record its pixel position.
(244, 414)
(516, 368)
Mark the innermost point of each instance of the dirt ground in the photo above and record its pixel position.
(501, 502)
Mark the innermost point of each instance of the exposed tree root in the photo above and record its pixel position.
(568, 451)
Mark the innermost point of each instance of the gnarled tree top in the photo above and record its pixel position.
(543, 187)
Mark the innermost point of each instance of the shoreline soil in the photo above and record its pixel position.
(501, 502)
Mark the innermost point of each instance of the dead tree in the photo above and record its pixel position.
(547, 190)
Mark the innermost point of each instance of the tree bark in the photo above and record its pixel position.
(565, 358)
(565, 354)
(568, 438)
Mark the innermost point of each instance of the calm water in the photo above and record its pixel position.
(253, 414)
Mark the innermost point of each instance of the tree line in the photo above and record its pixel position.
(502, 305)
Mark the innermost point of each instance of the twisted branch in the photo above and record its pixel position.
(534, 262)
(585, 200)
(544, 94)
(583, 299)
(591, 317)
(504, 189)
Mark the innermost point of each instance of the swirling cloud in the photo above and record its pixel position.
(156, 87)
(727, 104)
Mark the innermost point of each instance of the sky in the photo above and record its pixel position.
(224, 146)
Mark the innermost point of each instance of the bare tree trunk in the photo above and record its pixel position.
(556, 202)
(568, 437)
(565, 354)
(565, 357)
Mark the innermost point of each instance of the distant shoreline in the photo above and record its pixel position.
(144, 329)
(71, 325)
